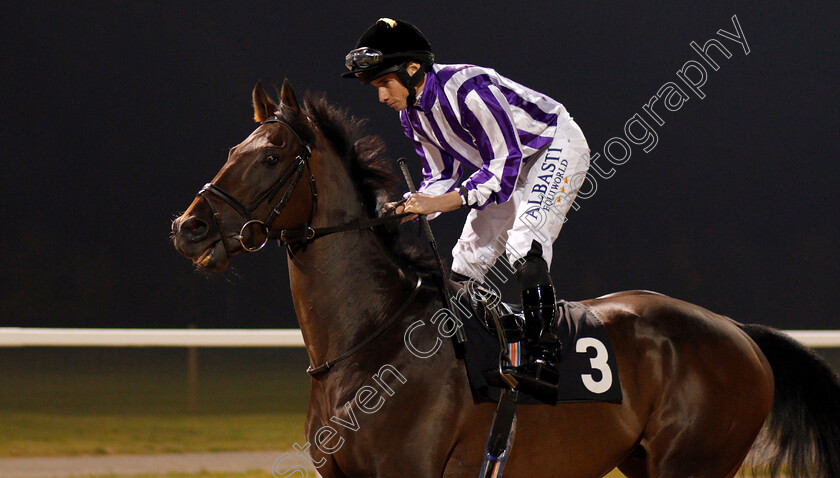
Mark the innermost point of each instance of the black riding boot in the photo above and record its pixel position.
(540, 374)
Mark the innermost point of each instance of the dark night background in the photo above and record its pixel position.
(115, 113)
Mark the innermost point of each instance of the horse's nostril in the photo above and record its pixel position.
(194, 228)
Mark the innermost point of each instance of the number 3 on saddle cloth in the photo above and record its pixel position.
(587, 365)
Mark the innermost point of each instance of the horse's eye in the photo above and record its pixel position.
(272, 160)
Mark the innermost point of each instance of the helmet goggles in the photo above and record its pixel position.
(365, 58)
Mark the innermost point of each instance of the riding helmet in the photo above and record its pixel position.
(386, 47)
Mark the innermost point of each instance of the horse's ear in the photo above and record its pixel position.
(288, 100)
(263, 106)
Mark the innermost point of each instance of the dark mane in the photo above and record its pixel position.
(371, 169)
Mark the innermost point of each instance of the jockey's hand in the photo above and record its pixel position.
(398, 207)
(424, 204)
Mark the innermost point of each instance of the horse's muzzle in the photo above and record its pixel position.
(191, 229)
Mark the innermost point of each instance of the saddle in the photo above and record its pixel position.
(587, 364)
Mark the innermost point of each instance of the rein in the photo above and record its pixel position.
(313, 371)
(291, 176)
(304, 234)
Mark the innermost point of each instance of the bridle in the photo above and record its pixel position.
(291, 176)
(289, 179)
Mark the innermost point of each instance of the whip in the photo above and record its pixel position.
(460, 335)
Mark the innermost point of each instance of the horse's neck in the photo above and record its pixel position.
(344, 285)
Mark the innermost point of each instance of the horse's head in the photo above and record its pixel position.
(265, 184)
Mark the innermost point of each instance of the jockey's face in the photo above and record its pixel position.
(391, 90)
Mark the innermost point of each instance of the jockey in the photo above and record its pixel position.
(530, 159)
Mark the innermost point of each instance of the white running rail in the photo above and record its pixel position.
(60, 337)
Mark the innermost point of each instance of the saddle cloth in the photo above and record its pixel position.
(588, 369)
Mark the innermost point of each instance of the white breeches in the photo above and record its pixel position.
(544, 193)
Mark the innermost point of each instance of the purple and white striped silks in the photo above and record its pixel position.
(470, 114)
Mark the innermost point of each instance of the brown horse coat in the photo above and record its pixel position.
(697, 388)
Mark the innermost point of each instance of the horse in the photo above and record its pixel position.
(697, 387)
